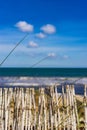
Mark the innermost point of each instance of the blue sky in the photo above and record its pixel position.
(57, 30)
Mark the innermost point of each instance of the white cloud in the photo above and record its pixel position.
(65, 56)
(24, 26)
(40, 35)
(48, 28)
(52, 54)
(33, 44)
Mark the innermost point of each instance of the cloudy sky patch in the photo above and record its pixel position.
(24, 26)
(32, 44)
(48, 29)
(40, 35)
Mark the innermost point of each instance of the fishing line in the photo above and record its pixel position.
(39, 62)
(13, 49)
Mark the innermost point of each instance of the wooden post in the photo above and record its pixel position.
(23, 109)
(30, 107)
(6, 109)
(85, 105)
(51, 106)
(67, 104)
(1, 108)
(56, 112)
(64, 105)
(39, 109)
(45, 114)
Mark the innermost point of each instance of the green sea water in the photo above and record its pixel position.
(44, 72)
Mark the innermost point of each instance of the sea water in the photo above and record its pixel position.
(44, 72)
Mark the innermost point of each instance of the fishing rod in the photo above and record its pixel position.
(13, 49)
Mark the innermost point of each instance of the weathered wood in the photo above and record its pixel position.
(21, 108)
(85, 105)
